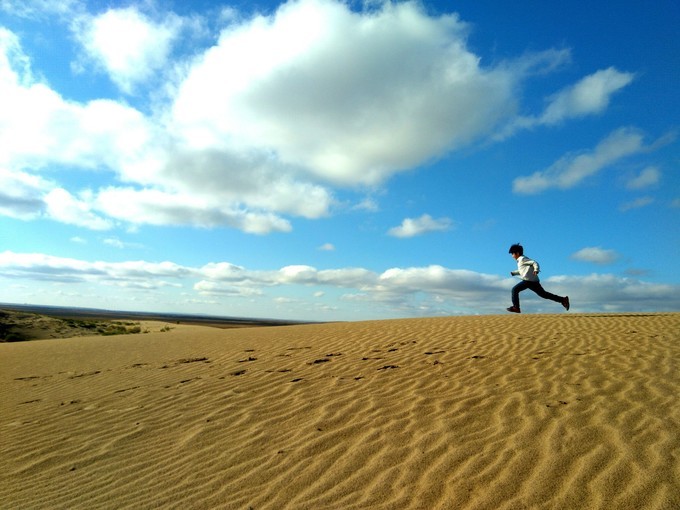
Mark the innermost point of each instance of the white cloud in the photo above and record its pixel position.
(596, 255)
(64, 207)
(347, 97)
(22, 194)
(590, 95)
(26, 196)
(611, 293)
(572, 169)
(230, 177)
(434, 278)
(127, 44)
(649, 177)
(37, 266)
(412, 227)
(327, 247)
(161, 208)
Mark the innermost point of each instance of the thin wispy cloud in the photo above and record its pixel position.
(638, 203)
(647, 178)
(40, 9)
(572, 169)
(119, 244)
(589, 96)
(367, 204)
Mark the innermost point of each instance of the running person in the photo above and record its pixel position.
(528, 270)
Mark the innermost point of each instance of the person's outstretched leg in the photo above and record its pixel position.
(538, 289)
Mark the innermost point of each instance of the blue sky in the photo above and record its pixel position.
(326, 160)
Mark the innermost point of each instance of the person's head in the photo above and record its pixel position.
(516, 250)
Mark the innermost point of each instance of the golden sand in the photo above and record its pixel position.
(495, 412)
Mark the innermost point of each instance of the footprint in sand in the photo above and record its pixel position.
(192, 360)
(86, 374)
(70, 402)
(126, 389)
(558, 403)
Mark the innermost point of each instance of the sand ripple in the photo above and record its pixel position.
(499, 412)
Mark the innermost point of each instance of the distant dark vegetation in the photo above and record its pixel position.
(104, 328)
(37, 322)
(178, 318)
(21, 326)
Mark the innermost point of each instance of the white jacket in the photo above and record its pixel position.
(527, 269)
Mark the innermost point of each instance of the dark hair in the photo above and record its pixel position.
(516, 248)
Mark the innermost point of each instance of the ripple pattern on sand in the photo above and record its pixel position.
(501, 412)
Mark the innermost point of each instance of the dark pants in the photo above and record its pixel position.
(537, 288)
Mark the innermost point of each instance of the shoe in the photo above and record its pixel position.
(513, 309)
(565, 302)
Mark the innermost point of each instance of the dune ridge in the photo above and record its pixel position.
(492, 412)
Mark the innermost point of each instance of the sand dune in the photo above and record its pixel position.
(497, 412)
